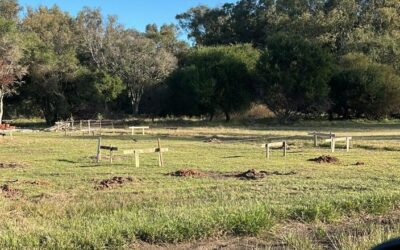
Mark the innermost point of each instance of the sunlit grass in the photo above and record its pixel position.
(66, 211)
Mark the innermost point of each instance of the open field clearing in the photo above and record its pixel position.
(55, 195)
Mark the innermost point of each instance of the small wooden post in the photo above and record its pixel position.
(80, 125)
(136, 154)
(112, 126)
(347, 144)
(284, 148)
(267, 150)
(133, 130)
(160, 156)
(315, 141)
(333, 144)
(98, 150)
(142, 131)
(88, 126)
(111, 154)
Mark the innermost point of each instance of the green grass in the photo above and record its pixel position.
(66, 211)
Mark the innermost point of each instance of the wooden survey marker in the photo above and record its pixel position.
(317, 135)
(268, 146)
(100, 147)
(136, 153)
(333, 141)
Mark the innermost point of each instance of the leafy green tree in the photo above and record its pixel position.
(215, 79)
(109, 87)
(51, 55)
(363, 88)
(166, 37)
(11, 52)
(296, 76)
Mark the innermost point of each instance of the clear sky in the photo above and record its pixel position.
(131, 13)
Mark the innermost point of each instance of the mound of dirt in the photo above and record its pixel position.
(188, 173)
(213, 140)
(359, 163)
(10, 165)
(325, 159)
(252, 174)
(109, 183)
(9, 192)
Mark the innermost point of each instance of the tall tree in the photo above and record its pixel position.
(296, 74)
(214, 79)
(11, 69)
(52, 57)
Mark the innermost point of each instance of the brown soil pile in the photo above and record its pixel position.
(359, 163)
(10, 165)
(188, 173)
(325, 159)
(9, 192)
(213, 140)
(109, 183)
(252, 174)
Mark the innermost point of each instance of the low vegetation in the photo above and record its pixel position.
(57, 196)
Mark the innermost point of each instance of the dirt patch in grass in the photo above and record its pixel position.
(213, 140)
(9, 192)
(251, 174)
(325, 159)
(37, 182)
(4, 165)
(359, 163)
(188, 173)
(115, 181)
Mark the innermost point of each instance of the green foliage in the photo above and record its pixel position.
(108, 86)
(363, 88)
(296, 76)
(214, 79)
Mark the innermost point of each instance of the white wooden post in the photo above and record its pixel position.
(333, 144)
(160, 157)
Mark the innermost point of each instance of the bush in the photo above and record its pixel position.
(296, 75)
(364, 89)
(214, 79)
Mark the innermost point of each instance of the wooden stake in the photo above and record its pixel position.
(333, 144)
(136, 154)
(347, 144)
(267, 151)
(160, 157)
(111, 154)
(98, 150)
(284, 148)
(315, 141)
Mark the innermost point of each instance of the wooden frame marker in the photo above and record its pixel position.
(138, 127)
(100, 147)
(137, 152)
(268, 146)
(333, 141)
(320, 135)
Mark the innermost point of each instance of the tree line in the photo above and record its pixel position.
(302, 58)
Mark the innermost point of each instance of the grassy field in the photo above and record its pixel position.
(52, 199)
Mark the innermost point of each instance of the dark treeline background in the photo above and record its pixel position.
(302, 58)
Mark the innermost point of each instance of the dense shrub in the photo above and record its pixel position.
(296, 76)
(213, 79)
(364, 89)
